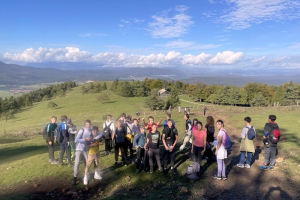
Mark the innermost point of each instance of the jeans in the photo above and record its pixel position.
(270, 155)
(197, 154)
(64, 147)
(168, 154)
(78, 155)
(155, 153)
(51, 150)
(249, 157)
(117, 147)
(139, 154)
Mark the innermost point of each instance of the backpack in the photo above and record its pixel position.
(192, 171)
(107, 131)
(251, 133)
(227, 142)
(274, 135)
(45, 132)
(57, 133)
(210, 133)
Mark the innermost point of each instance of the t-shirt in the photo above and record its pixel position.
(221, 133)
(153, 140)
(198, 138)
(120, 135)
(95, 149)
(194, 128)
(170, 135)
(150, 126)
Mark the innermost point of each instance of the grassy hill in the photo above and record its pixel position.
(25, 172)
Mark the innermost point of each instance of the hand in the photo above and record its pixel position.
(50, 143)
(167, 148)
(203, 152)
(216, 153)
(143, 119)
(87, 139)
(68, 143)
(192, 150)
(69, 131)
(186, 131)
(171, 147)
(100, 143)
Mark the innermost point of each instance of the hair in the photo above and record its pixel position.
(169, 115)
(187, 116)
(150, 117)
(63, 118)
(195, 120)
(154, 124)
(247, 119)
(272, 118)
(109, 116)
(95, 128)
(210, 120)
(127, 119)
(169, 120)
(220, 121)
(53, 117)
(198, 122)
(122, 115)
(135, 119)
(87, 121)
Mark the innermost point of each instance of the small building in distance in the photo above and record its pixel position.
(163, 93)
(89, 81)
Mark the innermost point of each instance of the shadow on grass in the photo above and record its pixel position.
(9, 140)
(109, 102)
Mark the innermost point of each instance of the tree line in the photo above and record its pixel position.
(9, 106)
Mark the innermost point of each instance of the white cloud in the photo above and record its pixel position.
(188, 45)
(135, 20)
(244, 13)
(91, 34)
(165, 26)
(109, 59)
(258, 59)
(226, 57)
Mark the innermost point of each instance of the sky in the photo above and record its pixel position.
(249, 34)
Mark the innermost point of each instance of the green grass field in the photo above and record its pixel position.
(24, 154)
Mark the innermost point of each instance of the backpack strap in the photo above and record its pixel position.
(108, 125)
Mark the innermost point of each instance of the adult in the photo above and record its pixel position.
(204, 110)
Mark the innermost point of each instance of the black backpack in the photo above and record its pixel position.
(45, 132)
(210, 133)
(274, 134)
(107, 131)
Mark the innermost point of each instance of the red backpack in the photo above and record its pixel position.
(274, 134)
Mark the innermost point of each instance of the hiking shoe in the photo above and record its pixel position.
(54, 162)
(240, 165)
(224, 177)
(247, 166)
(264, 167)
(116, 163)
(271, 167)
(74, 180)
(85, 180)
(217, 177)
(97, 176)
(137, 171)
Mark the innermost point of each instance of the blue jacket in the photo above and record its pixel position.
(139, 139)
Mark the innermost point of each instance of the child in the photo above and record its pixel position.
(199, 143)
(64, 141)
(247, 146)
(188, 131)
(221, 152)
(93, 155)
(165, 124)
(169, 138)
(153, 144)
(72, 133)
(119, 136)
(50, 139)
(108, 129)
(139, 144)
(129, 139)
(150, 123)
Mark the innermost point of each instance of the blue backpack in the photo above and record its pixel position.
(250, 133)
(227, 142)
(57, 133)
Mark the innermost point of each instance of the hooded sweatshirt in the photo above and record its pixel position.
(268, 128)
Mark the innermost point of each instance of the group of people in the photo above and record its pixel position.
(127, 134)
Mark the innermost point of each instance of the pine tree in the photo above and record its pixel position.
(104, 87)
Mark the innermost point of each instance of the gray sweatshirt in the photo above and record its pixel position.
(80, 139)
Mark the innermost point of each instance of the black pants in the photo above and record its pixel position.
(51, 150)
(128, 145)
(168, 154)
(108, 145)
(117, 147)
(146, 160)
(140, 152)
(154, 153)
(197, 153)
(64, 147)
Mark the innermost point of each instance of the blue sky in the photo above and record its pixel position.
(168, 33)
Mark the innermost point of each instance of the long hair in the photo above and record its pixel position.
(210, 120)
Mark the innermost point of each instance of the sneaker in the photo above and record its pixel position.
(116, 163)
(247, 166)
(240, 165)
(264, 167)
(271, 167)
(137, 171)
(217, 177)
(151, 170)
(97, 176)
(54, 162)
(85, 180)
(224, 177)
(74, 181)
(161, 169)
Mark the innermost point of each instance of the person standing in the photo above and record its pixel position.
(169, 138)
(199, 143)
(210, 131)
(165, 124)
(188, 131)
(247, 146)
(119, 136)
(179, 109)
(221, 152)
(150, 123)
(50, 139)
(72, 134)
(108, 130)
(271, 138)
(204, 110)
(139, 144)
(64, 141)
